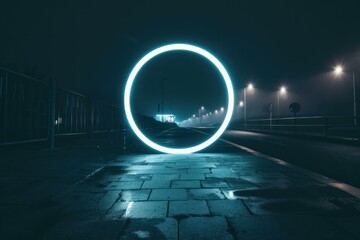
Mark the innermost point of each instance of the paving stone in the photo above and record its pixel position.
(221, 173)
(109, 199)
(168, 194)
(204, 228)
(214, 184)
(160, 181)
(205, 194)
(149, 209)
(185, 184)
(190, 207)
(156, 184)
(135, 195)
(160, 171)
(116, 211)
(228, 208)
(124, 185)
(130, 178)
(163, 228)
(198, 170)
(192, 176)
(166, 177)
(202, 165)
(240, 184)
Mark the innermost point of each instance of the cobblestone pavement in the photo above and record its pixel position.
(209, 195)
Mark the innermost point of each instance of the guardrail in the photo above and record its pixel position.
(24, 108)
(32, 110)
(327, 126)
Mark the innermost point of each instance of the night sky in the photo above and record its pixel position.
(90, 47)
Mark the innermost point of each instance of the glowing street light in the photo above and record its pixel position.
(222, 109)
(282, 91)
(216, 111)
(338, 71)
(200, 111)
(249, 87)
(241, 104)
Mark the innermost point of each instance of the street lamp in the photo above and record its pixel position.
(200, 117)
(249, 87)
(339, 70)
(282, 91)
(241, 104)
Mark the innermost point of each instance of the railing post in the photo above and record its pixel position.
(52, 105)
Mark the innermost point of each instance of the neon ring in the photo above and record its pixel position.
(175, 47)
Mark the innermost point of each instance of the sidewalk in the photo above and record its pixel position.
(90, 194)
(202, 196)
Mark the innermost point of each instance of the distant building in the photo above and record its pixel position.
(165, 118)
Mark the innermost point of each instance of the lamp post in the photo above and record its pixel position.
(281, 91)
(250, 87)
(200, 117)
(339, 70)
(241, 104)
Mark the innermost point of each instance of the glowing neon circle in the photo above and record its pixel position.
(175, 47)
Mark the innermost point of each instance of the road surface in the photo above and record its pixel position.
(227, 191)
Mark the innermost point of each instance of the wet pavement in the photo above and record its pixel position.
(221, 193)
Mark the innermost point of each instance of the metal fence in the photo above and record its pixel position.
(24, 104)
(326, 126)
(33, 110)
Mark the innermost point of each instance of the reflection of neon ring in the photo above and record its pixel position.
(184, 47)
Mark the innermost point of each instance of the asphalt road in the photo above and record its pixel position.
(334, 160)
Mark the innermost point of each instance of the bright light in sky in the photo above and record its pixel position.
(177, 47)
(282, 90)
(241, 103)
(250, 86)
(338, 70)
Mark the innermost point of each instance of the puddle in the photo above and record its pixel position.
(273, 193)
(293, 201)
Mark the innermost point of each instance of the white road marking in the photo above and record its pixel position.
(354, 191)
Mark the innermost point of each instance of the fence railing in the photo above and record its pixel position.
(327, 126)
(33, 110)
(24, 108)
